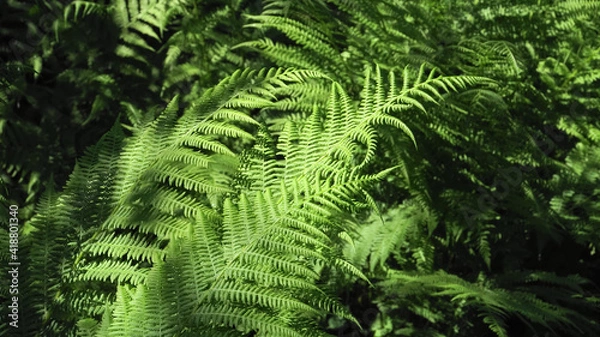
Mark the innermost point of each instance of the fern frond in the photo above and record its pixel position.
(80, 9)
(495, 304)
(140, 19)
(126, 246)
(113, 271)
(309, 38)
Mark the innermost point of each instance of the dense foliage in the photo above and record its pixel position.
(301, 168)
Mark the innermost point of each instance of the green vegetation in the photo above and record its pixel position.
(301, 168)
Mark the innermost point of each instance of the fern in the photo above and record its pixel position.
(392, 233)
(253, 206)
(494, 304)
(245, 241)
(214, 28)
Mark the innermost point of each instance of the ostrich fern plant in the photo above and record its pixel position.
(251, 207)
(198, 237)
(466, 145)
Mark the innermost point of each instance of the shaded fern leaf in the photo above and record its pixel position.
(495, 304)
